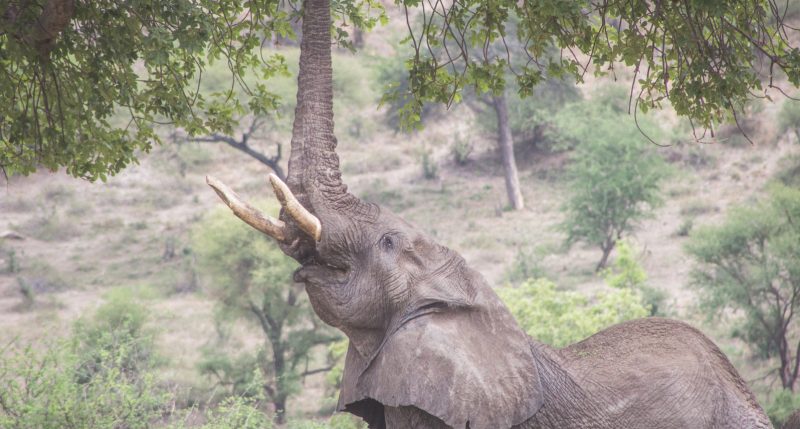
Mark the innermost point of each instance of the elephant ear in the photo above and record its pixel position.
(468, 365)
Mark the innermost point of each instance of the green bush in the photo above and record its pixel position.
(233, 413)
(461, 149)
(559, 318)
(685, 228)
(525, 265)
(781, 406)
(115, 339)
(430, 169)
(338, 421)
(101, 379)
(789, 171)
(626, 273)
(789, 117)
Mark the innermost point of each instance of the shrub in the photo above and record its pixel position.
(781, 407)
(100, 380)
(789, 117)
(461, 150)
(430, 169)
(559, 318)
(525, 266)
(626, 273)
(685, 228)
(115, 339)
(233, 413)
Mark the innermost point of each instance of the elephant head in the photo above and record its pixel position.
(422, 325)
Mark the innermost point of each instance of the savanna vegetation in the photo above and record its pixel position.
(138, 303)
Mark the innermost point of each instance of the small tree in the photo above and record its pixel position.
(614, 175)
(252, 280)
(750, 265)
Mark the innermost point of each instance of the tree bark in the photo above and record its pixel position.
(506, 142)
(607, 248)
(40, 35)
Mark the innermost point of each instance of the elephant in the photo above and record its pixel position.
(430, 343)
(793, 422)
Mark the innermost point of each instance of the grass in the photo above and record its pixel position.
(49, 224)
(697, 207)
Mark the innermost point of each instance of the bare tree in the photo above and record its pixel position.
(243, 145)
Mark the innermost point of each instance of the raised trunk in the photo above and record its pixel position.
(314, 174)
(506, 142)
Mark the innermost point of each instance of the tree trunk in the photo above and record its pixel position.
(506, 142)
(279, 368)
(607, 248)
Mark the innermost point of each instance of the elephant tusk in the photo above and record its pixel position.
(309, 223)
(252, 216)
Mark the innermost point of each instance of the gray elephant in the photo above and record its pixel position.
(431, 344)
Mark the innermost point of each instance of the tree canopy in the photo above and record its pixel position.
(706, 58)
(85, 83)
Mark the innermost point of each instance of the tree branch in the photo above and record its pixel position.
(243, 146)
(316, 371)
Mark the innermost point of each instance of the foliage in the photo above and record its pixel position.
(614, 177)
(117, 334)
(251, 280)
(101, 379)
(461, 149)
(430, 169)
(789, 117)
(338, 421)
(685, 228)
(392, 76)
(525, 265)
(789, 173)
(702, 75)
(748, 268)
(532, 119)
(559, 318)
(233, 413)
(626, 273)
(89, 100)
(781, 406)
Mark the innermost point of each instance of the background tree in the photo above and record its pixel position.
(750, 265)
(252, 280)
(614, 176)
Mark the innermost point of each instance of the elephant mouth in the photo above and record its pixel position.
(320, 276)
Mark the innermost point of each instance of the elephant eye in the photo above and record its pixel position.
(387, 242)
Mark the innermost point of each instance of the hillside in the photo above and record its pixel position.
(83, 242)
